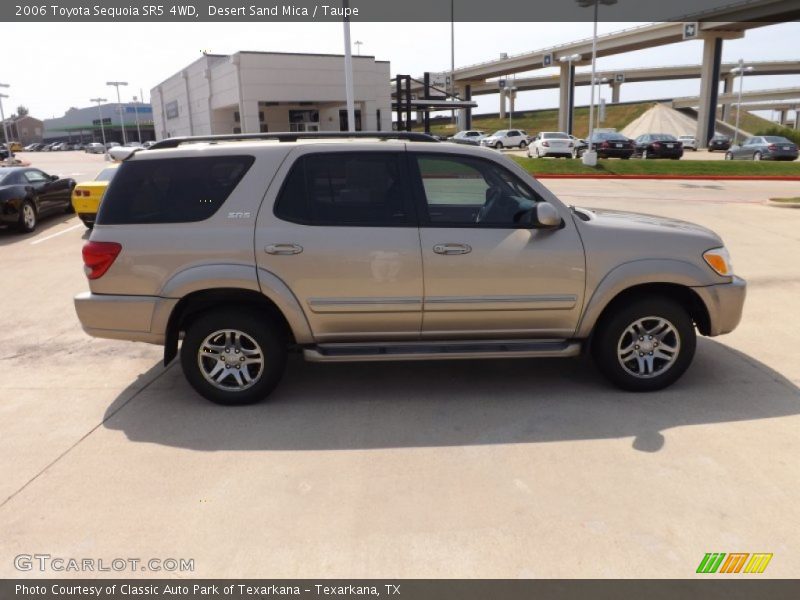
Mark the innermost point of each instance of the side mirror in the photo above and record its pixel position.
(543, 215)
(54, 178)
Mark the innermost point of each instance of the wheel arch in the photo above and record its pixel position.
(197, 303)
(672, 279)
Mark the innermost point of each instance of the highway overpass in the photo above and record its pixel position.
(712, 26)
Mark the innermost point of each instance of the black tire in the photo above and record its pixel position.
(523, 145)
(625, 157)
(498, 146)
(256, 327)
(615, 330)
(28, 217)
(728, 156)
(757, 156)
(69, 209)
(645, 155)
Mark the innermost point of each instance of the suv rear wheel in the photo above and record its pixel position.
(233, 356)
(645, 345)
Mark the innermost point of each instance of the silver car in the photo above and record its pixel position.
(382, 247)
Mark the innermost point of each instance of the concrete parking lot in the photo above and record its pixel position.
(511, 468)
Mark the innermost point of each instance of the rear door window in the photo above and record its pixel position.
(346, 189)
(171, 190)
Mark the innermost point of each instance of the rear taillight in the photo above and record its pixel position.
(98, 257)
(546, 144)
(604, 145)
(656, 144)
(772, 147)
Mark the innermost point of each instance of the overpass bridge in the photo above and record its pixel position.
(711, 26)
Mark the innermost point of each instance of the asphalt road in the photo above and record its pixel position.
(511, 468)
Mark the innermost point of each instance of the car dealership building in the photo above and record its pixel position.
(257, 92)
(83, 124)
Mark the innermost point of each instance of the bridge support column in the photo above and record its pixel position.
(615, 88)
(709, 90)
(727, 83)
(797, 118)
(566, 100)
(502, 112)
(782, 116)
(464, 114)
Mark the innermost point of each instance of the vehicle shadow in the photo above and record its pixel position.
(9, 235)
(451, 403)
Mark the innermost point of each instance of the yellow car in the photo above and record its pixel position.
(86, 196)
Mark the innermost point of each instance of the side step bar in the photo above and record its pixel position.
(444, 350)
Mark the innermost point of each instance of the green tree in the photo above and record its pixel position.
(22, 111)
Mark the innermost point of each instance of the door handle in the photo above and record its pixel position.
(283, 249)
(452, 248)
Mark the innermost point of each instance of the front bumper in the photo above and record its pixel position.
(133, 318)
(724, 302)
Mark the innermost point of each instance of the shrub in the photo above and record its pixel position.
(791, 134)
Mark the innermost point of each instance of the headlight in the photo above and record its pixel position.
(719, 260)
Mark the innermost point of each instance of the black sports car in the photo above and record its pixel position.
(27, 194)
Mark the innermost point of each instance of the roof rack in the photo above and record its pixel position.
(408, 136)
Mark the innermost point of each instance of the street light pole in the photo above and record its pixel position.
(3, 118)
(136, 112)
(590, 156)
(600, 100)
(357, 44)
(100, 110)
(348, 71)
(740, 70)
(116, 84)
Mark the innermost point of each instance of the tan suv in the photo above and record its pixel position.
(376, 247)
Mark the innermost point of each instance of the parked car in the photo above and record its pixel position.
(657, 145)
(27, 194)
(76, 146)
(578, 146)
(94, 148)
(148, 144)
(87, 195)
(506, 138)
(764, 147)
(689, 142)
(608, 144)
(719, 142)
(60, 147)
(4, 153)
(32, 147)
(470, 136)
(110, 145)
(551, 143)
(468, 256)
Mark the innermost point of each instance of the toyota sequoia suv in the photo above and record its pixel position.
(385, 247)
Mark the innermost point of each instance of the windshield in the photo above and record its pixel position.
(501, 132)
(555, 136)
(663, 137)
(776, 139)
(106, 174)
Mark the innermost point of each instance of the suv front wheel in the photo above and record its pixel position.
(233, 356)
(645, 345)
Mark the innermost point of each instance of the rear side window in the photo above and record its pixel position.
(171, 190)
(345, 188)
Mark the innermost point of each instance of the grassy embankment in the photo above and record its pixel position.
(541, 166)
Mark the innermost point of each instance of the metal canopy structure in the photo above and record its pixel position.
(408, 98)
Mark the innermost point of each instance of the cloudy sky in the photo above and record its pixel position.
(58, 65)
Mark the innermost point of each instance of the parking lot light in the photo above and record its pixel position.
(590, 156)
(116, 84)
(100, 109)
(740, 70)
(136, 112)
(5, 129)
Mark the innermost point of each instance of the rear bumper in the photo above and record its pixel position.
(133, 318)
(724, 302)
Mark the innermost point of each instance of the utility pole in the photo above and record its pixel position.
(116, 84)
(100, 110)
